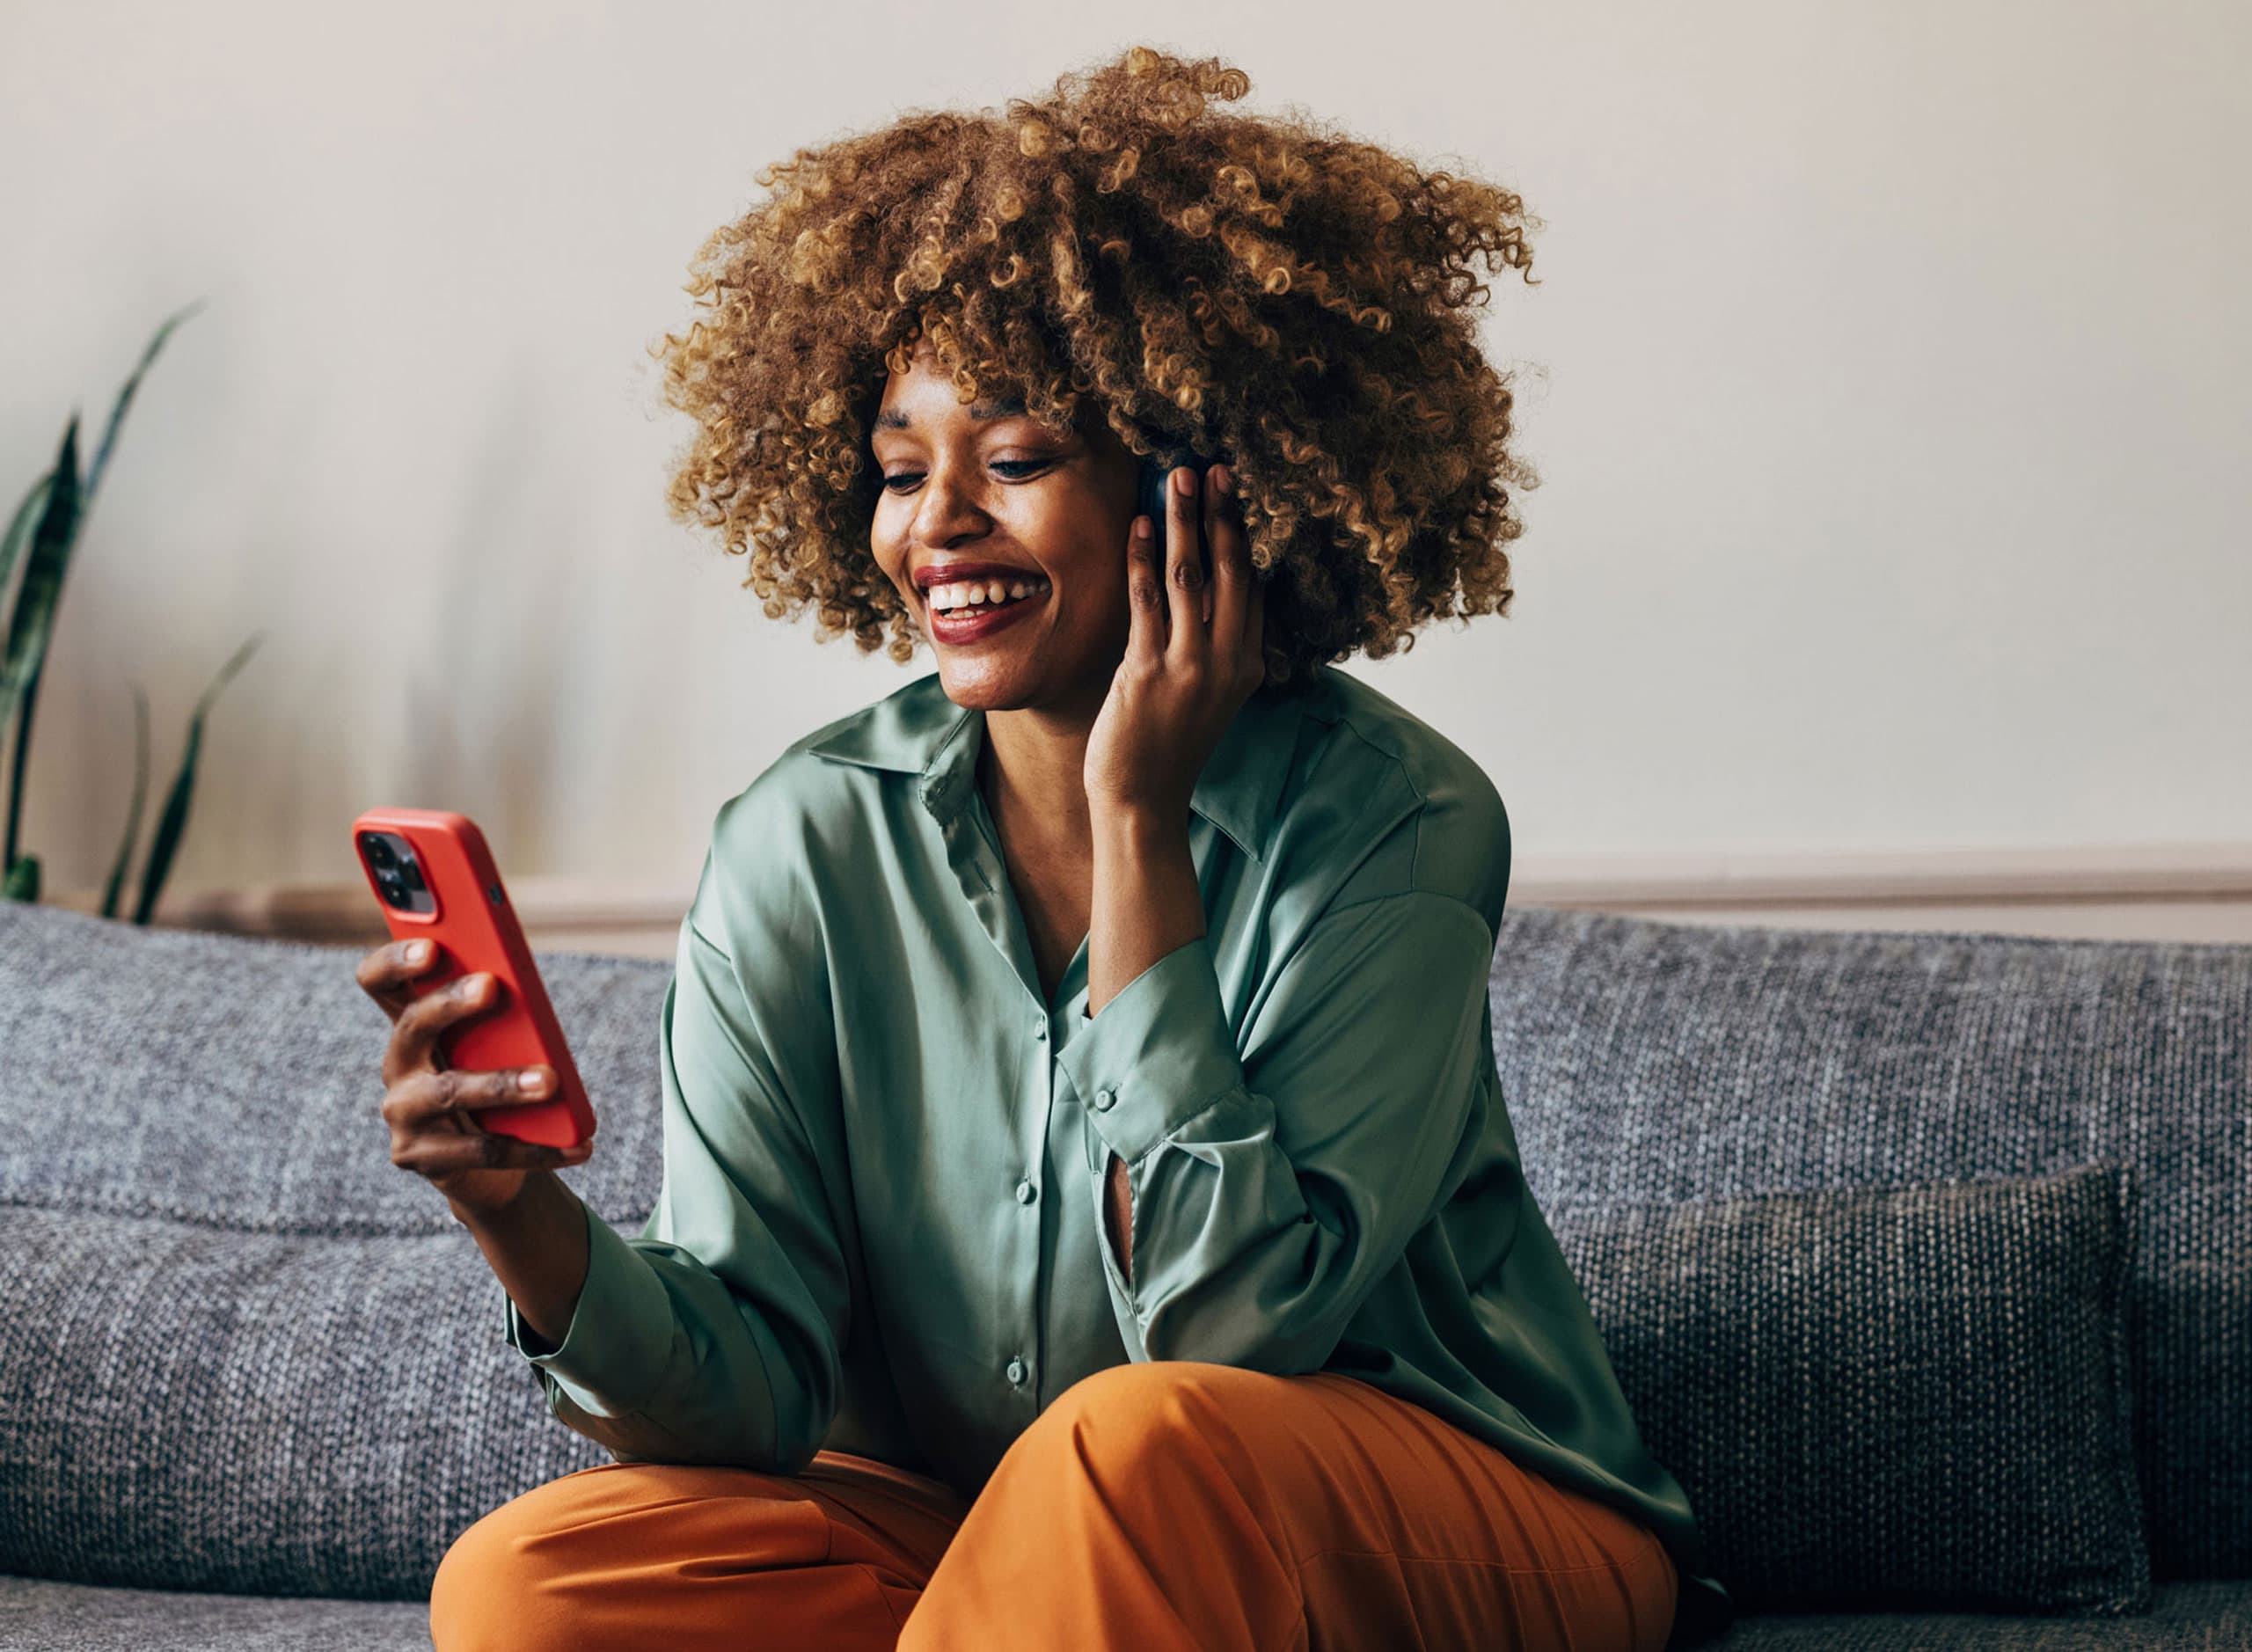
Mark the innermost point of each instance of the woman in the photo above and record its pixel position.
(1090, 1214)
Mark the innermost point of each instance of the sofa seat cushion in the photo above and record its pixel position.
(86, 1618)
(1887, 1398)
(198, 1406)
(2183, 1616)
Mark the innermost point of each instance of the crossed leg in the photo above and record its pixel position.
(1178, 1504)
(1171, 1504)
(661, 1557)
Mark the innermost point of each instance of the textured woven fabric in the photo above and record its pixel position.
(2208, 1617)
(174, 1079)
(240, 1350)
(1656, 1064)
(75, 1617)
(52, 1617)
(1936, 1376)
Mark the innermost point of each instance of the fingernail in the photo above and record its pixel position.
(416, 951)
(530, 1080)
(1223, 481)
(1184, 481)
(1141, 527)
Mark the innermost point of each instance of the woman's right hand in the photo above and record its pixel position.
(432, 1108)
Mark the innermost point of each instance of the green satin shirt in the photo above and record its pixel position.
(881, 1225)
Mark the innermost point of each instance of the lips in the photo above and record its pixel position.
(955, 572)
(974, 627)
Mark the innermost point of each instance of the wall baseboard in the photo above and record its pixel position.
(2197, 892)
(2193, 892)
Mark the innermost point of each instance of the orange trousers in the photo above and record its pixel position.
(1171, 1504)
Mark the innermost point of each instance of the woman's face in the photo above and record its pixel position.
(1052, 508)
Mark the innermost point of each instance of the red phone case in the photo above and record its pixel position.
(475, 931)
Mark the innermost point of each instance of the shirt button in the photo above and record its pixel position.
(1103, 1098)
(1040, 1031)
(1024, 1191)
(1016, 1370)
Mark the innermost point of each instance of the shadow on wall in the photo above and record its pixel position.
(484, 735)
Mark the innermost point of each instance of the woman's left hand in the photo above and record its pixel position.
(1192, 657)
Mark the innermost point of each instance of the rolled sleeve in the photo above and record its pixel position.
(615, 1351)
(1273, 1190)
(1159, 1052)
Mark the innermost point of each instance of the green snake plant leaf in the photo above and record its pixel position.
(42, 587)
(174, 823)
(34, 620)
(140, 792)
(19, 529)
(63, 501)
(125, 395)
(22, 881)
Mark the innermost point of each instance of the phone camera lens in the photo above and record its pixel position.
(379, 851)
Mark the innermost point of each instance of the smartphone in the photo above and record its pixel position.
(435, 881)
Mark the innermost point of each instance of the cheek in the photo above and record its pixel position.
(891, 556)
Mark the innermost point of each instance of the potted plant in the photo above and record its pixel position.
(46, 525)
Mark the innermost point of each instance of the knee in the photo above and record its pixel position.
(487, 1576)
(455, 1592)
(1144, 1411)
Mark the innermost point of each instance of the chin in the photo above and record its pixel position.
(982, 685)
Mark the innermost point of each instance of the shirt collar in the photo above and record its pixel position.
(917, 730)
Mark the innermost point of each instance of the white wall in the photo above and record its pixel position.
(1890, 377)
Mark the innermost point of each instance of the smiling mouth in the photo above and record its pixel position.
(948, 602)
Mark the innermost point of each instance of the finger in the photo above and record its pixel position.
(1144, 597)
(427, 1099)
(414, 1037)
(1230, 559)
(421, 1100)
(485, 1150)
(1184, 536)
(384, 972)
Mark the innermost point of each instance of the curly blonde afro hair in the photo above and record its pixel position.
(1263, 291)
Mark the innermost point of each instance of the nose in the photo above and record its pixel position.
(945, 512)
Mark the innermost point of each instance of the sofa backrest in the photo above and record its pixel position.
(1653, 1062)
(240, 1350)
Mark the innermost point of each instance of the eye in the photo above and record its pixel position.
(1003, 465)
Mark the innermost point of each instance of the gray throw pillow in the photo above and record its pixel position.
(1911, 1397)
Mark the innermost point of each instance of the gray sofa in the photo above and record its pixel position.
(1923, 1258)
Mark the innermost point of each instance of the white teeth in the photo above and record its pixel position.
(972, 593)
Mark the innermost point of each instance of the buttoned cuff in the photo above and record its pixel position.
(614, 1351)
(1158, 1054)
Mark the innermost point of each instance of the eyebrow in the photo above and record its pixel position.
(1000, 407)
